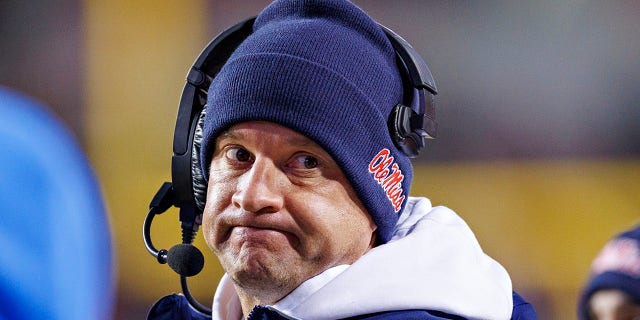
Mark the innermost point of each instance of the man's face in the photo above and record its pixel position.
(279, 209)
(613, 304)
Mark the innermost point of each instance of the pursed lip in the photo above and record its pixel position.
(257, 230)
(249, 236)
(249, 232)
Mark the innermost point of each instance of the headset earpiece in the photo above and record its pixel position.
(409, 140)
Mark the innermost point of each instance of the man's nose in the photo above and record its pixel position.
(260, 189)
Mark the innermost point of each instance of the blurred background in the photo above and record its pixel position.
(538, 148)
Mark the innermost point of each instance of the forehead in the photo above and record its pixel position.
(262, 129)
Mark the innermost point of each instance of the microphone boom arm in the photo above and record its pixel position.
(161, 202)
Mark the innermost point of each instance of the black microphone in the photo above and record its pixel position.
(185, 259)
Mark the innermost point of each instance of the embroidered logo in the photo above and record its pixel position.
(389, 176)
(621, 255)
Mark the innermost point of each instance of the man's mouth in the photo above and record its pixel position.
(260, 236)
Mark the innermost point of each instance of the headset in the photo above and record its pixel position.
(409, 124)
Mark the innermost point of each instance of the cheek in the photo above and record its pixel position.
(353, 211)
(218, 198)
(208, 226)
(356, 224)
(337, 214)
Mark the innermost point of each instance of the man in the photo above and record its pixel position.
(613, 289)
(308, 205)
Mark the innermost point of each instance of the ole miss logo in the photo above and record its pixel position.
(388, 175)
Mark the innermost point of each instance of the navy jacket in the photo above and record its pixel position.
(176, 307)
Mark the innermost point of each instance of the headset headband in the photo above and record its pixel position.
(417, 121)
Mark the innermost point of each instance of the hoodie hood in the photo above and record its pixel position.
(432, 262)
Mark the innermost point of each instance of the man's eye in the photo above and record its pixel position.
(238, 154)
(307, 162)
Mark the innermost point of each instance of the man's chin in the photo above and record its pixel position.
(254, 262)
(259, 277)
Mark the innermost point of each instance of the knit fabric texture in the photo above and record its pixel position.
(617, 266)
(325, 69)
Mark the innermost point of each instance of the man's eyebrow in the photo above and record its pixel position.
(301, 142)
(227, 135)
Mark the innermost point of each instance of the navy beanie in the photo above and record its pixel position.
(617, 266)
(325, 69)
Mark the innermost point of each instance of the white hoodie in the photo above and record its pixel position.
(432, 262)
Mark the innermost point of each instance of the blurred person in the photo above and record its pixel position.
(307, 183)
(613, 289)
(54, 235)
